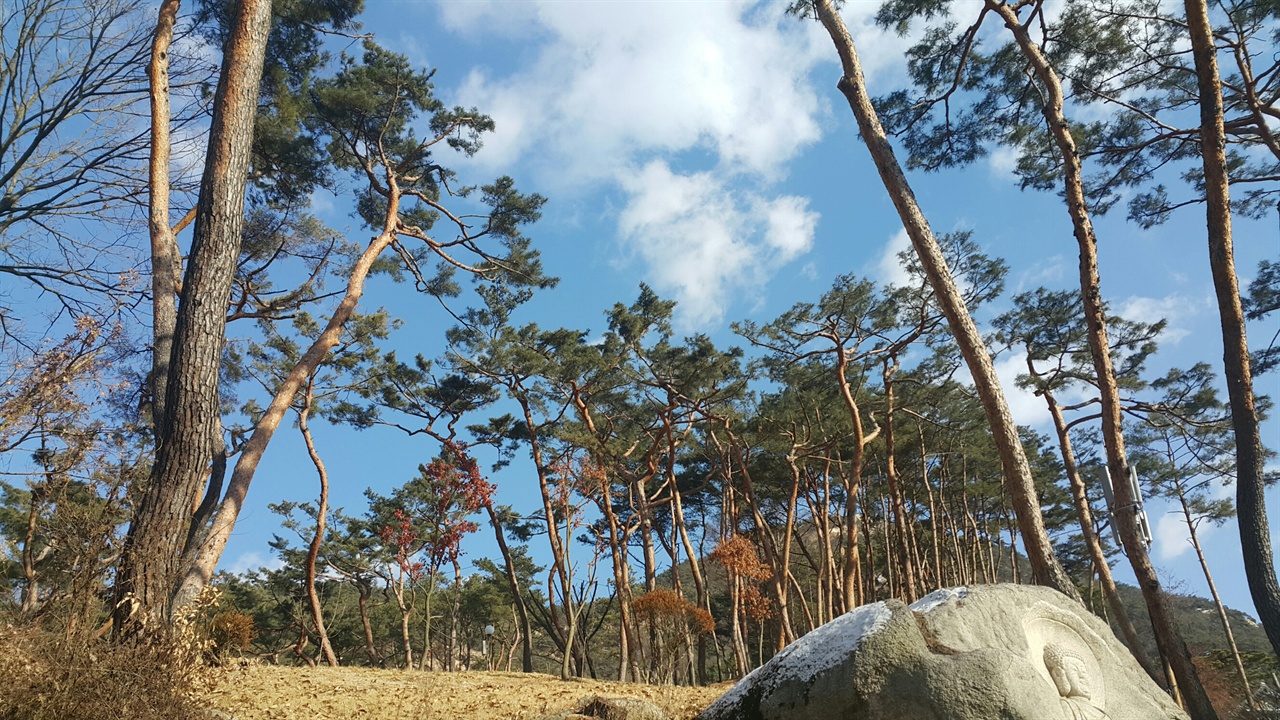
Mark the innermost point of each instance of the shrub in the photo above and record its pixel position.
(231, 632)
(673, 620)
(60, 675)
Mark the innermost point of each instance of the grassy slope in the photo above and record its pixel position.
(263, 692)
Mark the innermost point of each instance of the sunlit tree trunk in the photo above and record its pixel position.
(322, 511)
(1017, 472)
(1125, 519)
(1251, 508)
(165, 265)
(1081, 502)
(910, 585)
(365, 592)
(397, 585)
(151, 561)
(861, 439)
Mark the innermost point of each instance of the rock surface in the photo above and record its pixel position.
(993, 652)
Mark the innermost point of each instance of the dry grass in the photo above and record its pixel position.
(261, 692)
(55, 676)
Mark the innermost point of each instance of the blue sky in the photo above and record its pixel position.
(702, 148)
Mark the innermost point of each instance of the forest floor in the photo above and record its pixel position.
(266, 692)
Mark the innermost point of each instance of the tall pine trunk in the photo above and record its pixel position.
(150, 562)
(1125, 517)
(165, 265)
(1251, 508)
(1017, 472)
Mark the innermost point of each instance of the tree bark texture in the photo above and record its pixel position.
(150, 562)
(1251, 508)
(1125, 512)
(861, 438)
(165, 264)
(206, 547)
(1017, 472)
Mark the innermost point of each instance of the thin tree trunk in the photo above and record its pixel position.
(1217, 601)
(1091, 540)
(570, 614)
(453, 616)
(424, 659)
(627, 653)
(522, 612)
(788, 534)
(165, 265)
(313, 552)
(374, 657)
(1017, 472)
(30, 583)
(695, 570)
(910, 584)
(933, 513)
(1126, 521)
(860, 441)
(404, 635)
(300, 647)
(1251, 508)
(778, 581)
(151, 562)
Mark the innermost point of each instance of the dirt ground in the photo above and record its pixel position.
(264, 692)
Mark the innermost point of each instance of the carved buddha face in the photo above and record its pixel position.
(1042, 654)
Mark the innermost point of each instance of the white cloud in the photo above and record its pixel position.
(790, 225)
(617, 80)
(889, 270)
(1174, 308)
(709, 100)
(1044, 272)
(701, 241)
(1003, 161)
(253, 561)
(1171, 538)
(1026, 408)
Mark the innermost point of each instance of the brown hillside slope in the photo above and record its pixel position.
(261, 692)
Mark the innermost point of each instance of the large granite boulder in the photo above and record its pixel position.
(993, 652)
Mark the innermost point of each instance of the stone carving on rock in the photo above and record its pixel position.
(995, 652)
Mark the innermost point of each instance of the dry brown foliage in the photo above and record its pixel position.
(57, 676)
(231, 632)
(739, 556)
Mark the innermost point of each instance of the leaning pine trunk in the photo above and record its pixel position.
(1168, 637)
(1091, 540)
(204, 549)
(1017, 472)
(1251, 508)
